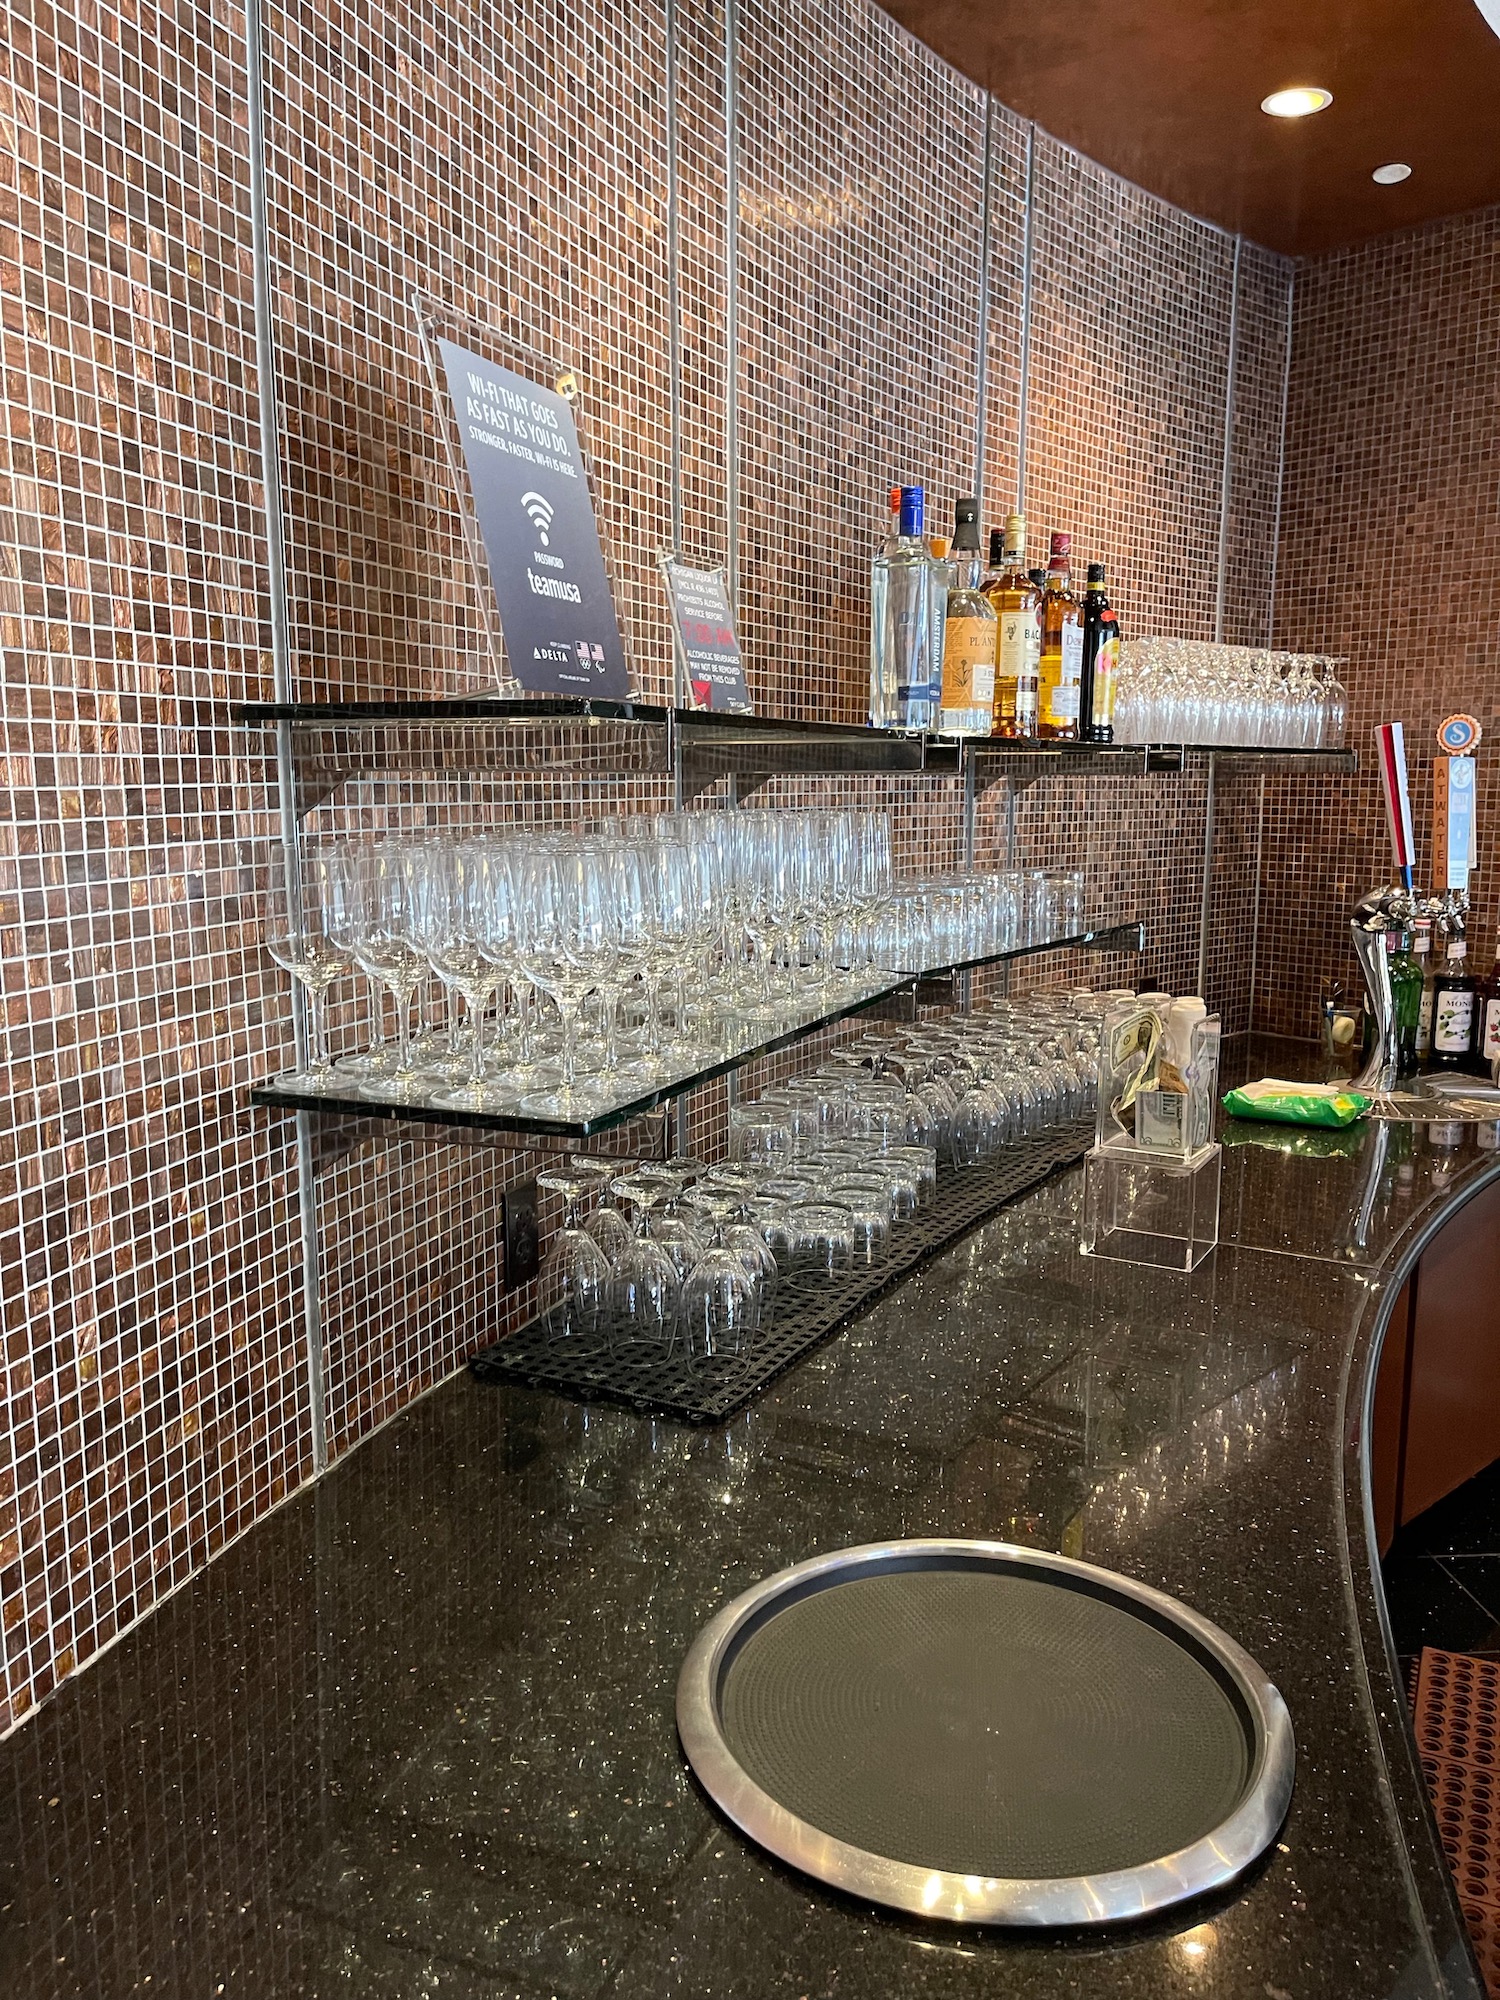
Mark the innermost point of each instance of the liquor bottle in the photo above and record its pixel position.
(1406, 995)
(1421, 945)
(1039, 578)
(882, 681)
(1453, 1010)
(942, 582)
(1019, 649)
(1101, 660)
(1487, 1039)
(969, 634)
(1062, 650)
(909, 617)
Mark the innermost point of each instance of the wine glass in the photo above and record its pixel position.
(575, 1273)
(569, 931)
(720, 1307)
(376, 928)
(301, 920)
(671, 1230)
(450, 923)
(607, 1224)
(644, 1291)
(676, 916)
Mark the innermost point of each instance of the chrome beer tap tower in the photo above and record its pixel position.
(1382, 910)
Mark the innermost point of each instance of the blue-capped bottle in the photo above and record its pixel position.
(882, 678)
(909, 617)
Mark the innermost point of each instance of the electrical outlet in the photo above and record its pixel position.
(518, 1220)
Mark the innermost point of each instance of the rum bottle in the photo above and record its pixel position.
(1018, 651)
(1061, 666)
(969, 634)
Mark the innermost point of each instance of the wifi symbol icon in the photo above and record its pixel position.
(541, 510)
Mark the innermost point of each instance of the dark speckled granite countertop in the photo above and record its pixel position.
(414, 1734)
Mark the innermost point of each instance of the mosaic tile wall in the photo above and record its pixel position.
(153, 1400)
(1390, 553)
(514, 164)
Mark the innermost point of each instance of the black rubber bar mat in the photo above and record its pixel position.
(805, 1315)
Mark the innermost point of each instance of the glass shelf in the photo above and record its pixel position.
(1130, 936)
(333, 741)
(737, 1043)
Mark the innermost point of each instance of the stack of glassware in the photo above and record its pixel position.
(1195, 691)
(823, 1174)
(598, 966)
(953, 919)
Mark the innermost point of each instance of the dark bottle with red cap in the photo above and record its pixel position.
(1101, 660)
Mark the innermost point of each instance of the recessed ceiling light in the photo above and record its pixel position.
(1388, 176)
(1298, 103)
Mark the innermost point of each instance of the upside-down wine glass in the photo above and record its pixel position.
(575, 1273)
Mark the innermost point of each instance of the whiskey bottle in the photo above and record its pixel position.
(1061, 665)
(1453, 1010)
(969, 634)
(1101, 660)
(1016, 600)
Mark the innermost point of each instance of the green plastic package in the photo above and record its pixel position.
(1296, 1103)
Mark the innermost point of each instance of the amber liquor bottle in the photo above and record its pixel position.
(1017, 605)
(1061, 667)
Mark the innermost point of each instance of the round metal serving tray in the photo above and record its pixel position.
(987, 1734)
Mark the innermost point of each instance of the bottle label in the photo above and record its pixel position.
(1017, 658)
(1424, 1023)
(969, 663)
(1106, 666)
(1060, 678)
(1492, 1028)
(1072, 653)
(1453, 1022)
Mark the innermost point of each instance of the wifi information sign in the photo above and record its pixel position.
(531, 498)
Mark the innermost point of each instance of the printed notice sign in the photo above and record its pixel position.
(706, 645)
(531, 496)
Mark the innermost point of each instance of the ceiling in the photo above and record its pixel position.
(1167, 93)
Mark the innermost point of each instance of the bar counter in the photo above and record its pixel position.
(414, 1733)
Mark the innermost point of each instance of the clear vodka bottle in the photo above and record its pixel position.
(910, 617)
(882, 676)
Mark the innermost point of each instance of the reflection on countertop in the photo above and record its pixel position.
(414, 1734)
